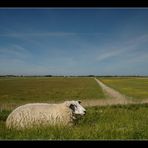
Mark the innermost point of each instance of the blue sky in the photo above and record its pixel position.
(74, 41)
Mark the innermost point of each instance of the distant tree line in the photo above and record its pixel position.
(72, 76)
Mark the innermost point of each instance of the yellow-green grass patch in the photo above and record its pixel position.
(133, 87)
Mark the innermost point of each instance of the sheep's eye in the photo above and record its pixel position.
(72, 106)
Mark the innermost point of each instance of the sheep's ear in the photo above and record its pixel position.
(79, 102)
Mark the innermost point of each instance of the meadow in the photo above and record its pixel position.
(109, 122)
(100, 123)
(136, 88)
(20, 90)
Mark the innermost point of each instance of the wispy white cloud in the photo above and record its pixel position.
(42, 34)
(115, 49)
(14, 52)
(58, 34)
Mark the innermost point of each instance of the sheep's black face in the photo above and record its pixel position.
(77, 108)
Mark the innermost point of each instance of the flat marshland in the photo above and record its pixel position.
(101, 122)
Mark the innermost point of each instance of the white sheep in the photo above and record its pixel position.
(42, 114)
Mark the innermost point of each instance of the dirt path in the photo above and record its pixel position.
(110, 92)
(110, 102)
(113, 97)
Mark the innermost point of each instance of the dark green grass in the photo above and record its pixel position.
(116, 122)
(43, 89)
(133, 87)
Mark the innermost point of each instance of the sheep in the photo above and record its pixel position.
(44, 114)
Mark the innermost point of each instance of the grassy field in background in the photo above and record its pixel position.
(133, 87)
(43, 89)
(110, 122)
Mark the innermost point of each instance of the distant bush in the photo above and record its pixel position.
(48, 75)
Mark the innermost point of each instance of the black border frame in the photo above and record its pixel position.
(72, 4)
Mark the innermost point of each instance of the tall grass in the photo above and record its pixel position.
(111, 122)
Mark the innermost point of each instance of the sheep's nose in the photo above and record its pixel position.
(84, 112)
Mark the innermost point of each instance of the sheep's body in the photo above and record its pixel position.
(37, 114)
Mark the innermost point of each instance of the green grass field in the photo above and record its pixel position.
(43, 89)
(116, 122)
(110, 122)
(133, 87)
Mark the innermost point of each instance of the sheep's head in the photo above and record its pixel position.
(76, 108)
